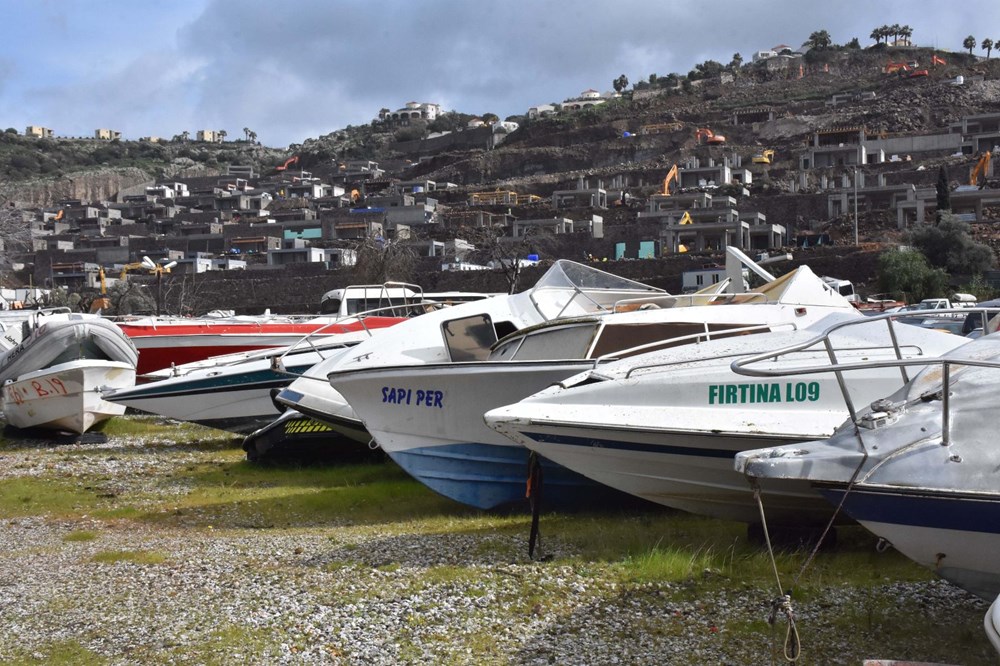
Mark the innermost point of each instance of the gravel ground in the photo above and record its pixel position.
(355, 595)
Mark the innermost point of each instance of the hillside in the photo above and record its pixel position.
(774, 105)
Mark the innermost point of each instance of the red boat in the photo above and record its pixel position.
(165, 341)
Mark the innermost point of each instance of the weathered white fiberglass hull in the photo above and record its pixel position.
(66, 397)
(669, 433)
(927, 485)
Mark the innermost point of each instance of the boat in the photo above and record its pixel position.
(463, 332)
(293, 437)
(233, 392)
(666, 425)
(164, 342)
(429, 418)
(918, 467)
(53, 377)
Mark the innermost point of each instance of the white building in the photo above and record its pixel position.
(413, 111)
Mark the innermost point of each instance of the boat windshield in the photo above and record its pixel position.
(569, 288)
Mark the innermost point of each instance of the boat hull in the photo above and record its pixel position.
(490, 477)
(66, 397)
(684, 471)
(319, 401)
(954, 534)
(293, 437)
(236, 402)
(428, 419)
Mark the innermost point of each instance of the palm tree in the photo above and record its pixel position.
(987, 46)
(906, 32)
(876, 35)
(246, 133)
(620, 84)
(894, 30)
(222, 135)
(969, 43)
(819, 39)
(253, 136)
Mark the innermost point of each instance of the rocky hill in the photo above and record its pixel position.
(605, 145)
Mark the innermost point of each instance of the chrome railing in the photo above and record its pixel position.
(744, 366)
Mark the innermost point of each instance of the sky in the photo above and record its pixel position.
(290, 71)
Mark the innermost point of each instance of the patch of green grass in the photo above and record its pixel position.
(243, 495)
(79, 536)
(667, 565)
(154, 429)
(221, 646)
(58, 653)
(35, 496)
(133, 556)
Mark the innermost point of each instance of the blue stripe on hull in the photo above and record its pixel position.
(600, 442)
(919, 508)
(486, 476)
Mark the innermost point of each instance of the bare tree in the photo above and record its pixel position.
(505, 253)
(15, 233)
(382, 260)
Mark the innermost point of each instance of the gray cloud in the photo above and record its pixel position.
(295, 70)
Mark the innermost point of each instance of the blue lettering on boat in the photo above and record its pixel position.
(419, 398)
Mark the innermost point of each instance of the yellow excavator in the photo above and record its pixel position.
(669, 180)
(102, 302)
(763, 157)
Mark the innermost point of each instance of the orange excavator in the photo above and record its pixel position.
(289, 162)
(979, 171)
(709, 136)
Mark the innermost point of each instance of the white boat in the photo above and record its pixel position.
(429, 418)
(234, 392)
(920, 468)
(464, 332)
(665, 426)
(53, 377)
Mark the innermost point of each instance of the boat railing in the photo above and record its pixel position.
(417, 306)
(746, 365)
(704, 335)
(687, 300)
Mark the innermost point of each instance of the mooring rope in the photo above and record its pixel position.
(792, 648)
